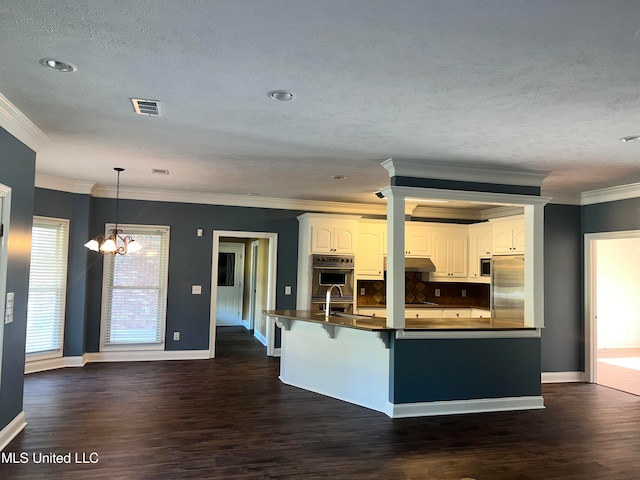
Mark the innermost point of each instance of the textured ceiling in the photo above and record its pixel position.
(539, 84)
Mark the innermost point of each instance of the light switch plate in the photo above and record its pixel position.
(200, 232)
(196, 289)
(287, 289)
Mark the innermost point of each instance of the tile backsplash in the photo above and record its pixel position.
(418, 290)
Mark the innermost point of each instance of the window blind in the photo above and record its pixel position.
(135, 290)
(47, 287)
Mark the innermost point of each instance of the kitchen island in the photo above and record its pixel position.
(431, 367)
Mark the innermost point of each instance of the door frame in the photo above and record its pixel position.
(271, 283)
(590, 297)
(239, 249)
(253, 282)
(5, 213)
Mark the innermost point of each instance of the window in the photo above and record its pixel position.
(47, 288)
(134, 295)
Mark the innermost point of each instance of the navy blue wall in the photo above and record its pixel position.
(438, 370)
(190, 263)
(190, 259)
(75, 208)
(563, 335)
(611, 216)
(17, 170)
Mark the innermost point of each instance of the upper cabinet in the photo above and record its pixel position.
(417, 239)
(480, 246)
(326, 238)
(508, 235)
(370, 250)
(449, 251)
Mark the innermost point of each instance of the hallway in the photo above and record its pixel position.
(231, 418)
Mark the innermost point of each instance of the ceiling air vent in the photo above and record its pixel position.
(160, 171)
(151, 108)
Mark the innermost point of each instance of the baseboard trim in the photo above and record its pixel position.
(261, 338)
(457, 407)
(53, 364)
(148, 356)
(562, 377)
(14, 427)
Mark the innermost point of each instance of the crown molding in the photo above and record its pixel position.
(406, 167)
(611, 194)
(239, 200)
(63, 184)
(17, 124)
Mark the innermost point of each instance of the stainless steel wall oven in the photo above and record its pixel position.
(329, 270)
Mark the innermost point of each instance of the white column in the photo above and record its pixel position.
(395, 261)
(534, 265)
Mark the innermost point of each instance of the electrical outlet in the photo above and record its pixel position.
(464, 293)
(176, 336)
(200, 232)
(437, 293)
(287, 289)
(363, 291)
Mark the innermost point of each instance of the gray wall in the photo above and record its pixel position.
(190, 259)
(17, 170)
(563, 335)
(562, 341)
(75, 208)
(611, 216)
(464, 369)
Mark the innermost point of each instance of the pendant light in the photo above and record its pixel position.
(116, 243)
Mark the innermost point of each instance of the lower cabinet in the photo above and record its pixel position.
(456, 313)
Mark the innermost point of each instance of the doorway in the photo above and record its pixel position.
(259, 285)
(613, 310)
(230, 284)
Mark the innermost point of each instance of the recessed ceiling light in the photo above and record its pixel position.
(632, 138)
(57, 65)
(282, 95)
(338, 177)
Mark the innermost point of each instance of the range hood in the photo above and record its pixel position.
(416, 264)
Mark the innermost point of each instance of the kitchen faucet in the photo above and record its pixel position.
(327, 306)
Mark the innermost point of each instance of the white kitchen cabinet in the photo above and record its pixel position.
(333, 237)
(480, 313)
(450, 251)
(423, 313)
(417, 239)
(480, 246)
(456, 313)
(321, 233)
(370, 250)
(508, 235)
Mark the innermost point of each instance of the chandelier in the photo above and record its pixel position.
(116, 243)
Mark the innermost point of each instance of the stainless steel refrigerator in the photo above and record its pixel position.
(507, 288)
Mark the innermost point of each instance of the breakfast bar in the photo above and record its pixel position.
(431, 367)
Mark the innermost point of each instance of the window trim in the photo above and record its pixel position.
(134, 229)
(57, 353)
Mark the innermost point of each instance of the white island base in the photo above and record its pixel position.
(353, 366)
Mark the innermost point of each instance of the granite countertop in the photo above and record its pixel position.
(376, 324)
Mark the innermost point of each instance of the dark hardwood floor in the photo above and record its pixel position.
(231, 418)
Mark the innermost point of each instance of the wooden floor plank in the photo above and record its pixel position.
(232, 418)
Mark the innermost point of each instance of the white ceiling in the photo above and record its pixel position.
(542, 84)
